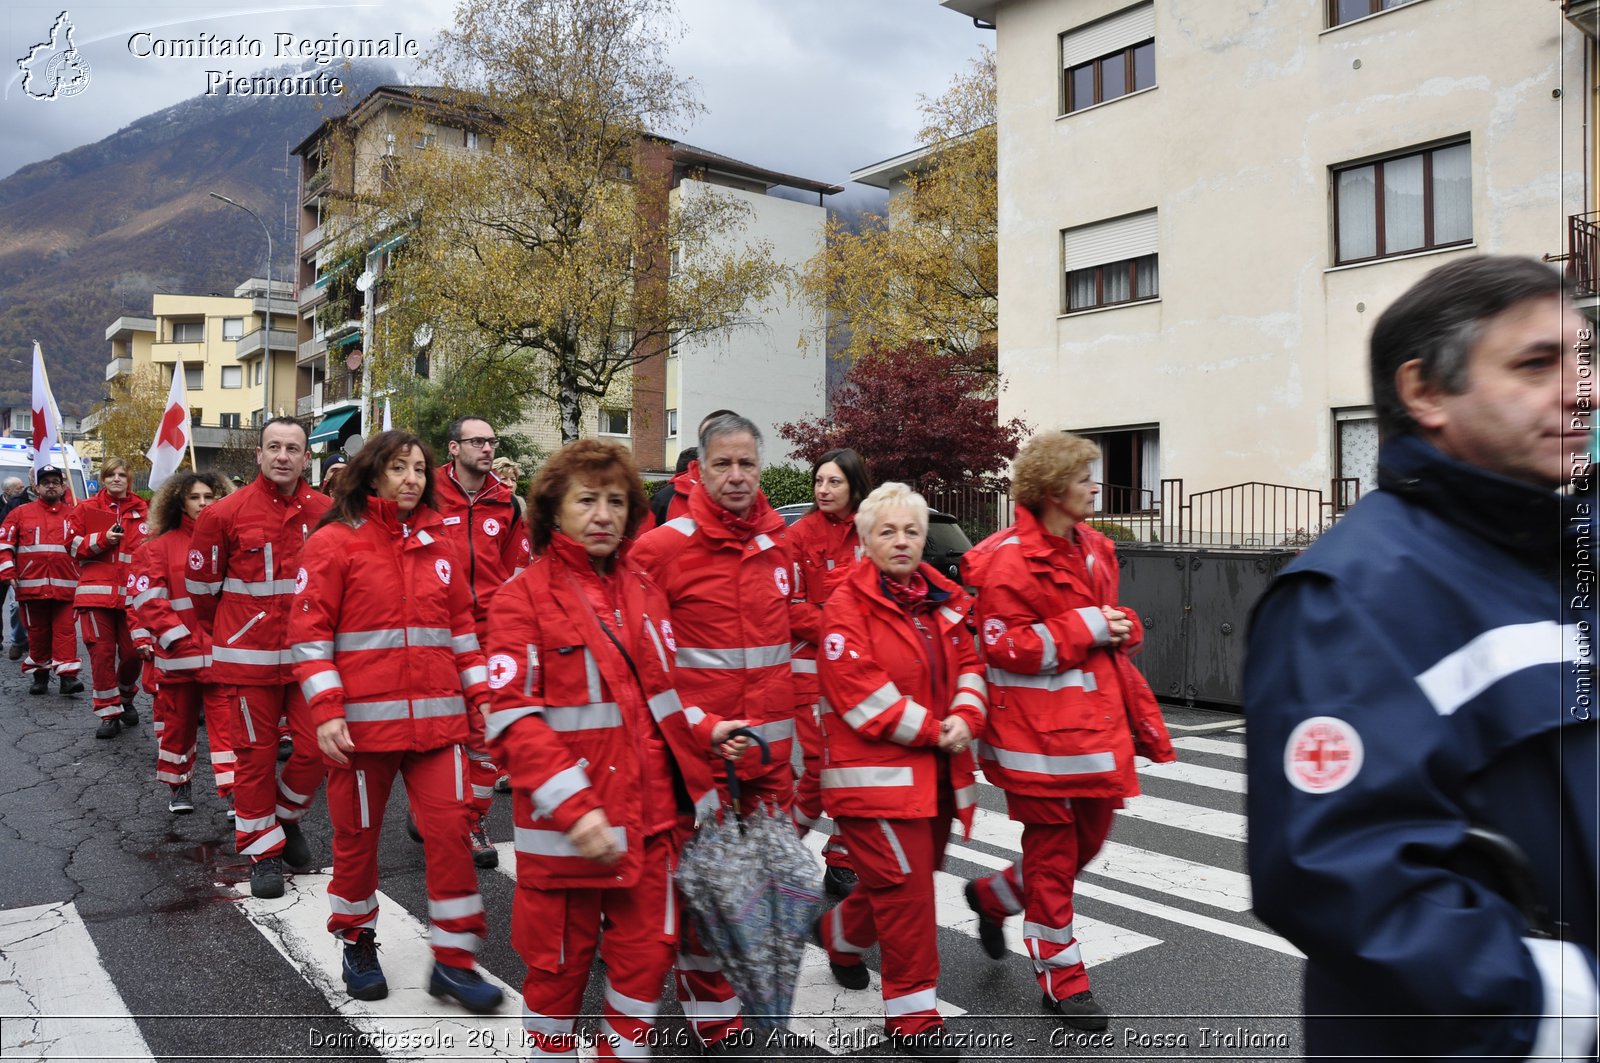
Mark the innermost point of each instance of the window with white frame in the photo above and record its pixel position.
(1414, 201)
(1108, 58)
(228, 420)
(1110, 262)
(672, 424)
(1128, 469)
(257, 375)
(614, 422)
(194, 375)
(1355, 471)
(1342, 11)
(232, 328)
(233, 376)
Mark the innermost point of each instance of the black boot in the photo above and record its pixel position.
(41, 682)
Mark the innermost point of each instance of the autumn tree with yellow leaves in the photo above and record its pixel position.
(135, 403)
(926, 272)
(544, 261)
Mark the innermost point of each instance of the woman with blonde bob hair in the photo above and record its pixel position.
(1070, 712)
(903, 696)
(607, 765)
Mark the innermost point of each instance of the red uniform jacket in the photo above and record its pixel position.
(823, 548)
(884, 695)
(730, 599)
(1067, 710)
(241, 573)
(162, 610)
(102, 568)
(571, 716)
(383, 635)
(33, 552)
(490, 536)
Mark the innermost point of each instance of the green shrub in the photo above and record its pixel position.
(786, 484)
(1112, 530)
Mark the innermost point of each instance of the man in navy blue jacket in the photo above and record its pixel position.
(1423, 747)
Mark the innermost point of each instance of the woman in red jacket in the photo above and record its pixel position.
(106, 530)
(608, 768)
(824, 544)
(903, 696)
(1070, 710)
(162, 617)
(387, 656)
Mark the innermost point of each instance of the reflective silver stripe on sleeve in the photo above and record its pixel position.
(322, 681)
(149, 596)
(182, 603)
(1047, 645)
(500, 719)
(478, 673)
(665, 704)
(972, 681)
(595, 717)
(181, 664)
(775, 730)
(910, 725)
(1010, 541)
(873, 704)
(684, 526)
(967, 796)
(736, 658)
(955, 616)
(172, 636)
(95, 588)
(464, 643)
(694, 714)
(1071, 679)
(1463, 674)
(967, 699)
(558, 788)
(1040, 764)
(661, 649)
(194, 586)
(230, 655)
(1094, 620)
(312, 650)
(847, 778)
(257, 589)
(537, 842)
(803, 665)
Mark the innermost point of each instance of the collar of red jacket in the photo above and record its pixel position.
(494, 488)
(714, 522)
(685, 481)
(572, 553)
(268, 488)
(941, 591)
(385, 512)
(1037, 542)
(128, 503)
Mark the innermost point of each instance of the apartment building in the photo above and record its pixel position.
(1204, 207)
(772, 370)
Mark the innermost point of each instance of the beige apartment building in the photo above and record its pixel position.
(219, 343)
(773, 370)
(1204, 207)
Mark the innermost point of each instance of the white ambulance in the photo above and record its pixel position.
(16, 459)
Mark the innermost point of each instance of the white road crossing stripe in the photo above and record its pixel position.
(1247, 934)
(1216, 886)
(56, 1000)
(1211, 745)
(1184, 816)
(1195, 774)
(417, 1025)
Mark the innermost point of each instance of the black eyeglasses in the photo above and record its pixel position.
(481, 442)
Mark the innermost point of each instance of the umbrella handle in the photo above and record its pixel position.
(734, 793)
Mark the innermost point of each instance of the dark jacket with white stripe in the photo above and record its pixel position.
(1426, 668)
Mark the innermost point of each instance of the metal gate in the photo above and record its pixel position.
(1195, 605)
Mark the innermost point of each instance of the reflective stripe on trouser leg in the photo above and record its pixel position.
(255, 785)
(1000, 894)
(60, 639)
(353, 889)
(555, 932)
(710, 1005)
(301, 774)
(456, 920)
(100, 629)
(481, 768)
(220, 712)
(177, 720)
(1050, 853)
(638, 950)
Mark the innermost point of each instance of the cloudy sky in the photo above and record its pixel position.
(811, 87)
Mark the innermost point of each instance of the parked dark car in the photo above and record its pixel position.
(946, 541)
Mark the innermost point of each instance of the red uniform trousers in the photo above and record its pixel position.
(807, 811)
(481, 768)
(893, 908)
(357, 796)
(709, 1002)
(1040, 885)
(52, 642)
(556, 932)
(263, 795)
(177, 729)
(113, 662)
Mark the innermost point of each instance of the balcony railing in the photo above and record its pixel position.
(1583, 253)
(250, 344)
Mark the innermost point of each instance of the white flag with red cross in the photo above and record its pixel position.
(46, 419)
(172, 438)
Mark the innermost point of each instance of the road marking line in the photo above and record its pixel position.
(57, 1000)
(1196, 775)
(1184, 816)
(1211, 745)
(1201, 728)
(296, 924)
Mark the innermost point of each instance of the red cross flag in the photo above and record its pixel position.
(172, 438)
(46, 418)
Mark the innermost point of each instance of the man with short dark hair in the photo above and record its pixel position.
(244, 567)
(1423, 750)
(33, 554)
(484, 520)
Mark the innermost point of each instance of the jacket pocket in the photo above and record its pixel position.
(568, 671)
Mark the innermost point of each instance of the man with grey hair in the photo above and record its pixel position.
(15, 494)
(1422, 744)
(726, 571)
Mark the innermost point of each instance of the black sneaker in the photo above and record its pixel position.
(934, 1043)
(363, 975)
(41, 682)
(182, 801)
(1081, 1011)
(502, 785)
(285, 747)
(839, 882)
(296, 853)
(266, 878)
(850, 976)
(109, 727)
(991, 934)
(484, 854)
(71, 684)
(130, 715)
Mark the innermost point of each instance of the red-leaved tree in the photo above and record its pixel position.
(918, 416)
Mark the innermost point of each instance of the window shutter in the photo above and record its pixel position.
(1111, 34)
(1109, 241)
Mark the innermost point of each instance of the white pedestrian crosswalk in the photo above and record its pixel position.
(58, 1001)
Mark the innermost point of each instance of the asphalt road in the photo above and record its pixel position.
(126, 932)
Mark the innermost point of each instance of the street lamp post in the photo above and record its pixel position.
(266, 347)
